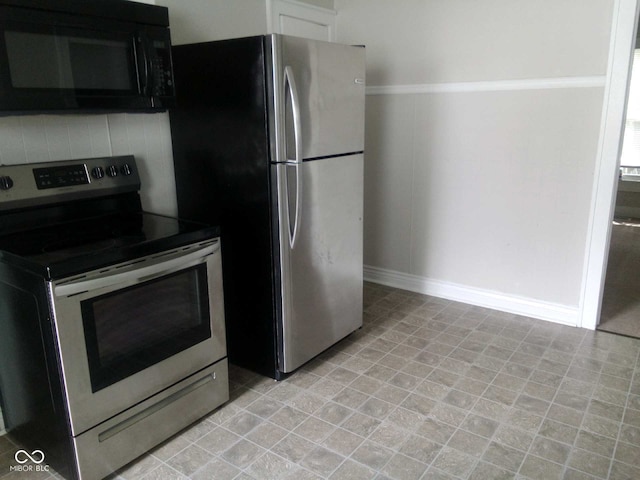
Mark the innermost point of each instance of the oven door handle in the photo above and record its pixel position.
(138, 274)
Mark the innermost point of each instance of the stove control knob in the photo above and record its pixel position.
(126, 169)
(112, 171)
(97, 173)
(6, 183)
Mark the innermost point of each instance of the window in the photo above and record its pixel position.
(630, 159)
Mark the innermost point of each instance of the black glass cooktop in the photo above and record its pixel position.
(59, 219)
(73, 247)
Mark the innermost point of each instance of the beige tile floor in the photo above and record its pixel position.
(428, 389)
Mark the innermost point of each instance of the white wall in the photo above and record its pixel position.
(206, 20)
(482, 133)
(432, 41)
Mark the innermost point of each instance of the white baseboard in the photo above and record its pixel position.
(474, 296)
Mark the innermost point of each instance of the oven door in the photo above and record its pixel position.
(129, 331)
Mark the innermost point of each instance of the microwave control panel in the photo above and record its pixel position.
(162, 77)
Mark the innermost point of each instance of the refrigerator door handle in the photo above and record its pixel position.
(293, 232)
(297, 161)
(290, 80)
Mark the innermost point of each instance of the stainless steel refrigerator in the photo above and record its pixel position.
(268, 142)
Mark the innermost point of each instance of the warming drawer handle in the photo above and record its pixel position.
(140, 274)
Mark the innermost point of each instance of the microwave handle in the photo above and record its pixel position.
(141, 274)
(147, 64)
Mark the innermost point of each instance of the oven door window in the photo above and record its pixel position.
(131, 329)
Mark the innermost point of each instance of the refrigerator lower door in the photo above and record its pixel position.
(321, 274)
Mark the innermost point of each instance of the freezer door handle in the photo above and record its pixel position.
(289, 80)
(295, 163)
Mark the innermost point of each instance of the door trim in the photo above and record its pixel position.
(622, 42)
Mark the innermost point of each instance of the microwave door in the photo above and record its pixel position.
(68, 68)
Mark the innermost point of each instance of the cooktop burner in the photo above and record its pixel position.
(67, 248)
(85, 245)
(65, 218)
(88, 235)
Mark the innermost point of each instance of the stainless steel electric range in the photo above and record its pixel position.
(112, 334)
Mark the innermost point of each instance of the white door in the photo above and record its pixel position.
(301, 20)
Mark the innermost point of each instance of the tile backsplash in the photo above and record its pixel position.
(44, 138)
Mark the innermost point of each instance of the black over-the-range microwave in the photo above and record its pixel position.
(84, 55)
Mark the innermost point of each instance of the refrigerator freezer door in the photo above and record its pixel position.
(322, 273)
(329, 80)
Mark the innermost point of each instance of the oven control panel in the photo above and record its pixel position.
(53, 177)
(45, 183)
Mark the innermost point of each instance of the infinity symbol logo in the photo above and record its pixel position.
(37, 456)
